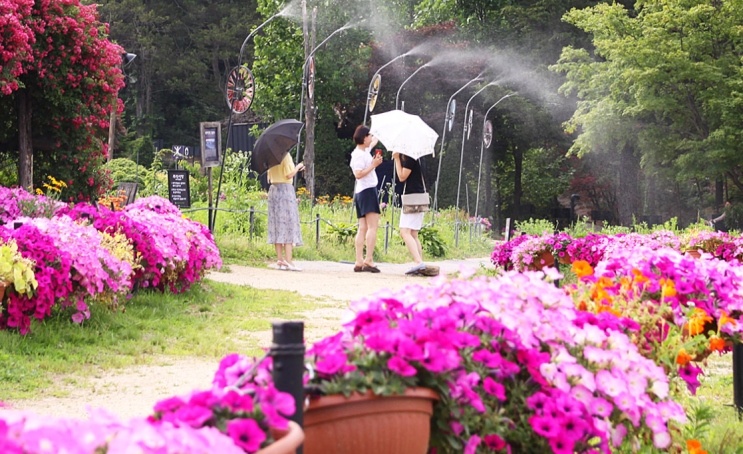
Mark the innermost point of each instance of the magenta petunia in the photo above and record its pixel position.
(545, 426)
(494, 388)
(246, 434)
(399, 365)
(472, 444)
(494, 442)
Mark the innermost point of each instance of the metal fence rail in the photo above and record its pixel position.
(474, 227)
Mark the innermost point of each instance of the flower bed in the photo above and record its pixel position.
(83, 255)
(523, 251)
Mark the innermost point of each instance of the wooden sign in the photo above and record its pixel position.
(179, 190)
(211, 144)
(129, 190)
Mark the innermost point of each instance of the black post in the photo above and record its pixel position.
(252, 218)
(317, 230)
(288, 352)
(573, 200)
(508, 229)
(738, 378)
(17, 225)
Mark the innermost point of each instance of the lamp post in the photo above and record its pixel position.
(482, 149)
(397, 97)
(213, 216)
(461, 161)
(126, 59)
(369, 94)
(449, 117)
(304, 84)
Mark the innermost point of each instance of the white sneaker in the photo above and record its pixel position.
(293, 268)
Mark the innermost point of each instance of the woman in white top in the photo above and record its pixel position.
(366, 198)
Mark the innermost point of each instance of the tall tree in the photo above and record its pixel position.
(671, 72)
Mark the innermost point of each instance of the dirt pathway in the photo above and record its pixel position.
(134, 390)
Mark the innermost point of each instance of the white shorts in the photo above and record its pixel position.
(412, 221)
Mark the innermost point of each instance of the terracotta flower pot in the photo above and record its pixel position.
(369, 424)
(694, 253)
(566, 259)
(287, 441)
(546, 259)
(3, 286)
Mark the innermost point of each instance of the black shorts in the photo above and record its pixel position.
(367, 201)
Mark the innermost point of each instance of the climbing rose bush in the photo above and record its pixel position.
(58, 51)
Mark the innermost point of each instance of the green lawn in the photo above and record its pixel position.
(211, 320)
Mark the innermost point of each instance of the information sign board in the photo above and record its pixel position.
(179, 190)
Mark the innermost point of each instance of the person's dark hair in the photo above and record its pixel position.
(360, 134)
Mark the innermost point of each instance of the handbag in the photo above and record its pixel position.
(416, 203)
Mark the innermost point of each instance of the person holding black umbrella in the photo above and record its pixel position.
(284, 229)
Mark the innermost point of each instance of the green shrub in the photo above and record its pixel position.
(433, 244)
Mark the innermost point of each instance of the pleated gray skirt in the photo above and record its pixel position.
(283, 216)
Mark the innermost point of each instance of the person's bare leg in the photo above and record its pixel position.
(414, 234)
(372, 223)
(279, 254)
(412, 245)
(360, 237)
(288, 253)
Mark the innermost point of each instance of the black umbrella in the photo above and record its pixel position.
(273, 145)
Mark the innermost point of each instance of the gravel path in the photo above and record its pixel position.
(134, 390)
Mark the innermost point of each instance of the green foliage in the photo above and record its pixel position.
(125, 170)
(433, 244)
(535, 226)
(15, 270)
(342, 231)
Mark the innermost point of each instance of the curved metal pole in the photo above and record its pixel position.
(461, 162)
(213, 217)
(369, 92)
(304, 85)
(397, 97)
(482, 150)
(443, 139)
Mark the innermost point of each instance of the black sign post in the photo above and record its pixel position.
(211, 155)
(179, 190)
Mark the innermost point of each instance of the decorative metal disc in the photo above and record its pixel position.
(487, 134)
(450, 114)
(240, 89)
(311, 78)
(374, 93)
(469, 123)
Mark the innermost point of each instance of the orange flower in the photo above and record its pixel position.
(626, 283)
(725, 319)
(639, 277)
(697, 321)
(695, 447)
(683, 358)
(582, 268)
(604, 308)
(716, 344)
(668, 287)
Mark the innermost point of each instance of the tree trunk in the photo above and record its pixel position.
(719, 194)
(488, 211)
(309, 115)
(25, 146)
(629, 171)
(518, 158)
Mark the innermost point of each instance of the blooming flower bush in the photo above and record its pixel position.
(16, 270)
(516, 366)
(85, 255)
(242, 403)
(16, 203)
(25, 432)
(686, 308)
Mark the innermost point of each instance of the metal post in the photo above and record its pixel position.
(288, 352)
(456, 232)
(317, 230)
(386, 236)
(469, 223)
(508, 229)
(252, 218)
(738, 378)
(17, 225)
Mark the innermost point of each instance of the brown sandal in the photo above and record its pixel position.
(358, 269)
(370, 269)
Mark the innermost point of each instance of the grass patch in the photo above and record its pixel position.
(210, 320)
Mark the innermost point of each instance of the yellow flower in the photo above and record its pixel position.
(669, 287)
(39, 191)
